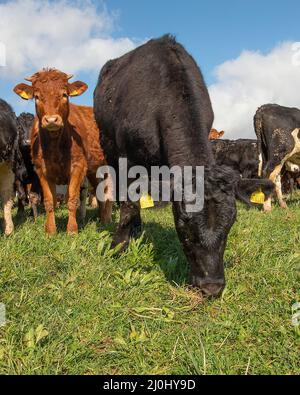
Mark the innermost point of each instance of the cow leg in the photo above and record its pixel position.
(7, 207)
(129, 224)
(49, 193)
(260, 166)
(292, 186)
(268, 205)
(104, 202)
(273, 177)
(6, 193)
(34, 199)
(35, 196)
(21, 206)
(83, 197)
(76, 180)
(22, 196)
(93, 200)
(105, 212)
(278, 190)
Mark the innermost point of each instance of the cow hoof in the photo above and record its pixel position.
(8, 231)
(106, 221)
(121, 245)
(267, 211)
(50, 231)
(72, 230)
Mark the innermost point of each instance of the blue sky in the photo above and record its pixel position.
(212, 31)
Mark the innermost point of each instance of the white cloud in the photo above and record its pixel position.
(70, 35)
(253, 79)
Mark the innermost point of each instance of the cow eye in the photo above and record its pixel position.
(65, 96)
(37, 97)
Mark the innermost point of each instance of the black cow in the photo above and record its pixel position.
(33, 194)
(11, 162)
(278, 134)
(241, 155)
(154, 109)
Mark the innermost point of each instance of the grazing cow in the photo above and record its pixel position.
(278, 134)
(154, 109)
(11, 163)
(214, 134)
(64, 143)
(29, 188)
(241, 155)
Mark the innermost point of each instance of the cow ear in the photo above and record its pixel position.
(245, 188)
(25, 91)
(77, 88)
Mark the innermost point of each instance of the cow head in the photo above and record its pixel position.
(25, 123)
(51, 91)
(214, 134)
(203, 235)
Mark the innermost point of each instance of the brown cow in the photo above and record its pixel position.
(65, 143)
(214, 134)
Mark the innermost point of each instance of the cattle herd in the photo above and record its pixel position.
(152, 107)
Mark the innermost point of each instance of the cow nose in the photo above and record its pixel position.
(52, 121)
(212, 287)
(212, 290)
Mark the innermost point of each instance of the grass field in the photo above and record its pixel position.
(72, 307)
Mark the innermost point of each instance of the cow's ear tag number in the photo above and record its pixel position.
(257, 197)
(146, 201)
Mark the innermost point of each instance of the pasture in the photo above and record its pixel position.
(75, 307)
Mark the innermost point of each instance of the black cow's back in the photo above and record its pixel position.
(152, 106)
(276, 116)
(241, 155)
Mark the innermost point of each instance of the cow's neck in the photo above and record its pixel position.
(189, 151)
(55, 143)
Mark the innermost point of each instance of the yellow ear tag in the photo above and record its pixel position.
(24, 95)
(146, 201)
(257, 197)
(74, 93)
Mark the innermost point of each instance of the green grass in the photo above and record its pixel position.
(73, 307)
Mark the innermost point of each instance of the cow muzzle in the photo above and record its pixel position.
(211, 288)
(52, 123)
